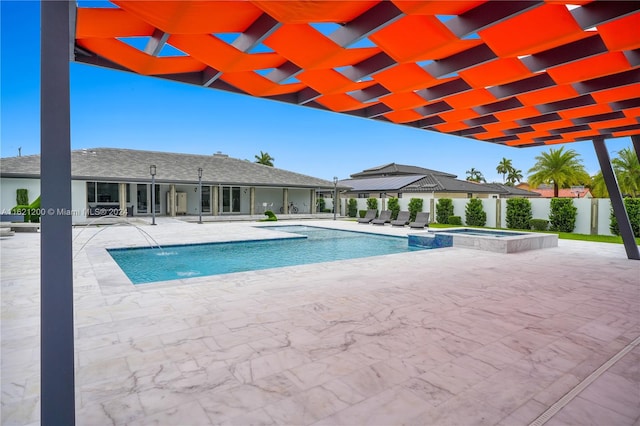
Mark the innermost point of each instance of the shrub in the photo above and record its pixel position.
(22, 209)
(474, 213)
(518, 213)
(31, 212)
(632, 205)
(394, 206)
(362, 213)
(562, 215)
(320, 204)
(22, 197)
(454, 220)
(372, 203)
(271, 217)
(539, 224)
(444, 209)
(415, 206)
(352, 207)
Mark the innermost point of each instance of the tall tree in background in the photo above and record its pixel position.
(627, 169)
(504, 167)
(265, 158)
(474, 175)
(514, 175)
(560, 168)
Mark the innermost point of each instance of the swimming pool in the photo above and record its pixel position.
(308, 245)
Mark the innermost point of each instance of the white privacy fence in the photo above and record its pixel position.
(592, 215)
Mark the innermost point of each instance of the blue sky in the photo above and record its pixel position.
(122, 110)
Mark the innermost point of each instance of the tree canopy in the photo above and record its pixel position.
(474, 175)
(265, 158)
(558, 167)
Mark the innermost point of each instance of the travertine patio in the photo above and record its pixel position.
(438, 337)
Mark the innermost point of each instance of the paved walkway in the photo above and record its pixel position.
(436, 337)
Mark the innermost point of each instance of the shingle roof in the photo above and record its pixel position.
(433, 183)
(393, 169)
(118, 165)
(512, 190)
(391, 183)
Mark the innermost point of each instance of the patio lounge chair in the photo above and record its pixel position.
(422, 220)
(385, 216)
(371, 214)
(402, 219)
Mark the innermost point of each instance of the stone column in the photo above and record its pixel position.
(215, 211)
(285, 200)
(172, 200)
(252, 200)
(122, 195)
(312, 208)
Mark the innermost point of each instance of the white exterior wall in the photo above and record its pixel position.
(604, 211)
(8, 187)
(301, 198)
(269, 196)
(79, 201)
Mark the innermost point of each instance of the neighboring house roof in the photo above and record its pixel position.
(391, 183)
(128, 165)
(563, 193)
(514, 190)
(432, 183)
(393, 169)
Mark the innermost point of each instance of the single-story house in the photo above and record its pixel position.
(105, 180)
(397, 180)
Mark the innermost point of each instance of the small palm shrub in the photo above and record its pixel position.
(415, 206)
(22, 197)
(394, 206)
(444, 209)
(518, 213)
(271, 217)
(474, 213)
(562, 215)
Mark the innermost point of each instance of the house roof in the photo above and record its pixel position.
(434, 183)
(127, 165)
(519, 73)
(513, 190)
(562, 193)
(381, 184)
(393, 169)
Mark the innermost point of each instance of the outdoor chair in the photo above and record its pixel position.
(402, 219)
(368, 217)
(422, 220)
(385, 216)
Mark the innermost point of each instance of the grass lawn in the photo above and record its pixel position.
(561, 235)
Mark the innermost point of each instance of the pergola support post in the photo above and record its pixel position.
(624, 225)
(56, 268)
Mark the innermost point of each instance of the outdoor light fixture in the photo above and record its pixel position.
(200, 194)
(152, 171)
(335, 196)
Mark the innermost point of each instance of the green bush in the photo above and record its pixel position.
(22, 197)
(320, 204)
(352, 207)
(454, 220)
(372, 203)
(31, 212)
(362, 213)
(394, 206)
(632, 205)
(415, 206)
(518, 213)
(474, 213)
(562, 215)
(539, 224)
(271, 217)
(444, 209)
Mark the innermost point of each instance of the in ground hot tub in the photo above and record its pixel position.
(484, 239)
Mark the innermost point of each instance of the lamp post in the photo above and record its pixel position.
(335, 197)
(200, 194)
(152, 171)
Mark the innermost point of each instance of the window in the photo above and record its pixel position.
(363, 195)
(105, 192)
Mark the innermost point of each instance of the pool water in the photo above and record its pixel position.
(310, 245)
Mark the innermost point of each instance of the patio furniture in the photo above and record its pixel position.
(385, 216)
(402, 219)
(422, 220)
(368, 217)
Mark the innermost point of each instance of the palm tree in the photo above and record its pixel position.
(474, 175)
(515, 175)
(627, 168)
(265, 158)
(597, 186)
(504, 167)
(558, 167)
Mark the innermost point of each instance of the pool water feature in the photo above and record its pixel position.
(484, 239)
(306, 245)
